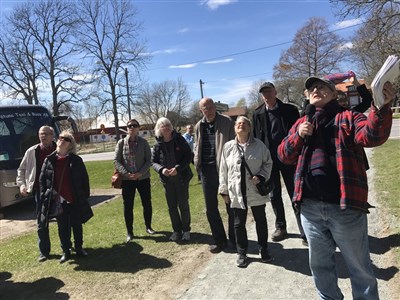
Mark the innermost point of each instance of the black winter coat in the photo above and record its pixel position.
(80, 185)
(183, 157)
(289, 115)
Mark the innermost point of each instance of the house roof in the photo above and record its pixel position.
(343, 86)
(236, 111)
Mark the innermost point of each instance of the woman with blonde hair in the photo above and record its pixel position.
(64, 180)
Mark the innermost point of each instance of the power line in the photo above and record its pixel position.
(254, 50)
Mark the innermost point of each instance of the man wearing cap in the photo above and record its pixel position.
(271, 123)
(331, 185)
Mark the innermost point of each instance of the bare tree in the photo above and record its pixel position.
(242, 102)
(109, 38)
(372, 11)
(254, 96)
(19, 72)
(194, 114)
(51, 24)
(315, 51)
(165, 99)
(378, 37)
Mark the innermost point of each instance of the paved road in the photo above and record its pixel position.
(395, 133)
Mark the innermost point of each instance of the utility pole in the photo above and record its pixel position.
(127, 93)
(201, 88)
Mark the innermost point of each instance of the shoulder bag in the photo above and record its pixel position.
(263, 187)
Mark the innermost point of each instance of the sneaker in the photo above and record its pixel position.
(174, 237)
(129, 237)
(279, 234)
(265, 257)
(186, 236)
(66, 256)
(150, 230)
(42, 257)
(242, 261)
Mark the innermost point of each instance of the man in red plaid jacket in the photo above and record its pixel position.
(331, 184)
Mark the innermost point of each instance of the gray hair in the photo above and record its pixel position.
(245, 119)
(160, 122)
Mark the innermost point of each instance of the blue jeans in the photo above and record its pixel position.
(327, 226)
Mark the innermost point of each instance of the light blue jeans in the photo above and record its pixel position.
(327, 226)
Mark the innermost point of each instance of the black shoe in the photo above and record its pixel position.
(217, 248)
(81, 253)
(265, 257)
(66, 256)
(150, 230)
(42, 258)
(242, 261)
(279, 234)
(129, 237)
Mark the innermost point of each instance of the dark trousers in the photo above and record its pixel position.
(260, 218)
(287, 173)
(210, 183)
(42, 228)
(177, 195)
(128, 194)
(68, 220)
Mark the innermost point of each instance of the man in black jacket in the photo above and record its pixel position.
(271, 123)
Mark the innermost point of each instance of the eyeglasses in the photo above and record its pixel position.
(133, 126)
(63, 138)
(319, 87)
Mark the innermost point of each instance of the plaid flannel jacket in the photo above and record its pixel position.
(353, 132)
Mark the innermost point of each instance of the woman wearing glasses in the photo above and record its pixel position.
(133, 160)
(64, 180)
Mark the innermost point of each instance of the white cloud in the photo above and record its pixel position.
(167, 51)
(218, 61)
(187, 66)
(348, 45)
(214, 4)
(233, 91)
(183, 30)
(347, 23)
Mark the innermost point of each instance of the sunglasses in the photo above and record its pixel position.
(63, 138)
(133, 126)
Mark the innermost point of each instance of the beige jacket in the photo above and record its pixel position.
(258, 159)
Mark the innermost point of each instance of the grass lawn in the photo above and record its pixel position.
(386, 161)
(111, 262)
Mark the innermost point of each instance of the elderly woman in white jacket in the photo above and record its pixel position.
(238, 188)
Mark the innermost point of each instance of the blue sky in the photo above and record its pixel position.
(197, 39)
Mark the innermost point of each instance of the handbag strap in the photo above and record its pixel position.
(244, 160)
